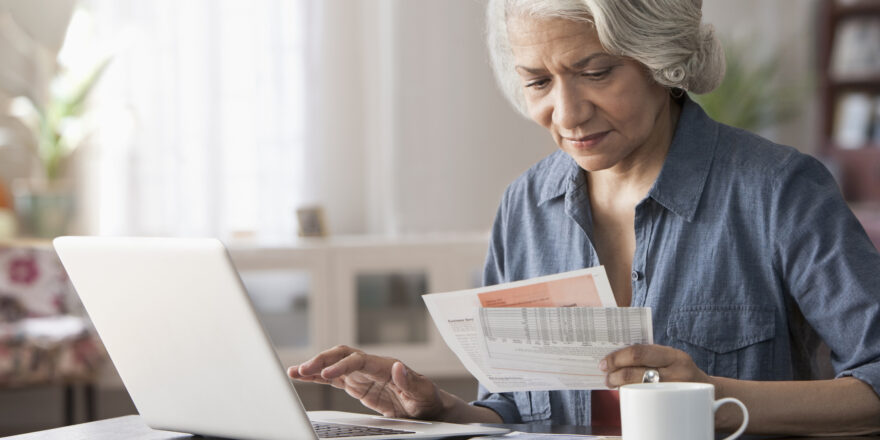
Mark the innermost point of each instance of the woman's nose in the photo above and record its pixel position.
(571, 108)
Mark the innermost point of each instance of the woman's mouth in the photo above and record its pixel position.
(586, 142)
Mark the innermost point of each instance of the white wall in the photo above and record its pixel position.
(458, 141)
(412, 135)
(415, 133)
(788, 30)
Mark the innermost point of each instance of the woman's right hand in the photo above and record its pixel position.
(382, 384)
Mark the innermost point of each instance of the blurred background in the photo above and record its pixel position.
(351, 154)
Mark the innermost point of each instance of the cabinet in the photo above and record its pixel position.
(849, 79)
(363, 292)
(360, 291)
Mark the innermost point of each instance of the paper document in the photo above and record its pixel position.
(546, 333)
(565, 344)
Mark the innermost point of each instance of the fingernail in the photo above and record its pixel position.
(603, 365)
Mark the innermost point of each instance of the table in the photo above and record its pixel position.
(134, 428)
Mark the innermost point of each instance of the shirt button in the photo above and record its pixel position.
(636, 275)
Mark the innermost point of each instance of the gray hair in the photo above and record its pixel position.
(666, 36)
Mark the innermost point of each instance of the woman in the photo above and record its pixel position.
(743, 249)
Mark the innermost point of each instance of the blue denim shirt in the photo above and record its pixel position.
(745, 251)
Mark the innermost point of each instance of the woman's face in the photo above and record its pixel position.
(604, 111)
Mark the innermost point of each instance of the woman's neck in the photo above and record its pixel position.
(630, 180)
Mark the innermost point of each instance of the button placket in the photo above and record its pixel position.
(642, 225)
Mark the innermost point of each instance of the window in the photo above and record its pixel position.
(203, 110)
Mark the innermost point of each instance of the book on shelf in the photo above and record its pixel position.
(852, 124)
(856, 50)
(875, 125)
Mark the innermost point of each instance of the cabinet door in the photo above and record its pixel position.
(377, 295)
(288, 288)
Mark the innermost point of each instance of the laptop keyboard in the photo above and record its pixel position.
(338, 430)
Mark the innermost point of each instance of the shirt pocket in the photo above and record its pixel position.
(728, 341)
(533, 406)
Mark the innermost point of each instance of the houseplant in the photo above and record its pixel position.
(45, 202)
(752, 96)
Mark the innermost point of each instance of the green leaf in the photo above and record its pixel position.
(52, 148)
(751, 96)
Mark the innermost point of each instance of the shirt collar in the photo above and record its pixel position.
(564, 174)
(680, 184)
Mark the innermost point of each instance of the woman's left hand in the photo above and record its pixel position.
(628, 365)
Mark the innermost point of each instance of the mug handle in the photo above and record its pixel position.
(736, 401)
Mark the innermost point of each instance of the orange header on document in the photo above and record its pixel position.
(579, 291)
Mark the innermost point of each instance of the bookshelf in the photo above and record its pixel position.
(849, 79)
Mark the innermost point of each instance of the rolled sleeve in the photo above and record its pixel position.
(868, 373)
(501, 403)
(831, 268)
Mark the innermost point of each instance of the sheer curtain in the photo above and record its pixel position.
(209, 129)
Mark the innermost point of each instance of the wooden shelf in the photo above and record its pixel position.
(862, 83)
(858, 170)
(859, 8)
(869, 216)
(869, 149)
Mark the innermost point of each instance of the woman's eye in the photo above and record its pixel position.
(538, 84)
(597, 74)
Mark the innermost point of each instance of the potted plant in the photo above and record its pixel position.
(751, 96)
(45, 203)
(47, 98)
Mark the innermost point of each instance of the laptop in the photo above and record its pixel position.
(180, 329)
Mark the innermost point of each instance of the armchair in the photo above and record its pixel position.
(42, 341)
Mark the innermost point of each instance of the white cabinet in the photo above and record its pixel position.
(362, 292)
(289, 289)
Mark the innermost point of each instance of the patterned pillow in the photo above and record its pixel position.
(35, 278)
(39, 341)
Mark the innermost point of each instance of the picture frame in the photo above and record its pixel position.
(310, 221)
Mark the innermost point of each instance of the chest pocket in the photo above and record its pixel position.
(533, 406)
(728, 341)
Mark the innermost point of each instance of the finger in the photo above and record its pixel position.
(627, 375)
(639, 355)
(359, 361)
(317, 379)
(419, 397)
(293, 372)
(313, 379)
(324, 359)
(399, 375)
(413, 385)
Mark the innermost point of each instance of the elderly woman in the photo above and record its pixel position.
(744, 250)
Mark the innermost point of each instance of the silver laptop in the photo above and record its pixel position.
(181, 330)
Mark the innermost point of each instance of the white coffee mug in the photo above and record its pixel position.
(672, 411)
